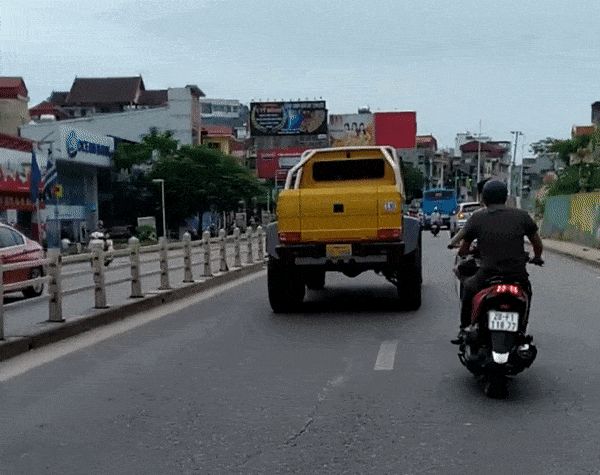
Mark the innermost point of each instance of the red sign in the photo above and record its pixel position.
(269, 161)
(397, 129)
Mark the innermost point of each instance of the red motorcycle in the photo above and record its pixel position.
(496, 344)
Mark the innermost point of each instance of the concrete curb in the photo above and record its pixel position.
(575, 257)
(53, 332)
(548, 248)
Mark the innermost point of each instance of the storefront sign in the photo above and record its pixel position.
(65, 212)
(18, 202)
(82, 146)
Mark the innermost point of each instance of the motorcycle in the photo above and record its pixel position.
(107, 245)
(496, 345)
(435, 229)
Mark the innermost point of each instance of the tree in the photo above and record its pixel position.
(197, 178)
(152, 145)
(413, 181)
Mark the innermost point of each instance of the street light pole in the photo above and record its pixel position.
(162, 191)
(516, 133)
(479, 154)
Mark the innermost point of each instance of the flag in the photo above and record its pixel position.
(35, 178)
(50, 178)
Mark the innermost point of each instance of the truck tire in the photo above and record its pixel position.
(315, 279)
(410, 280)
(285, 286)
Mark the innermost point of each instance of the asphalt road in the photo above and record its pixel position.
(350, 385)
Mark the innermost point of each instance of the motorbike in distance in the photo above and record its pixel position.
(107, 244)
(496, 345)
(435, 229)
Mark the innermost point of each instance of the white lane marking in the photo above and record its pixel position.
(386, 355)
(32, 359)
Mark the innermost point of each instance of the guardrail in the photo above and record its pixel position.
(54, 263)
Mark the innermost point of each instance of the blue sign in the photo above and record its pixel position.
(75, 144)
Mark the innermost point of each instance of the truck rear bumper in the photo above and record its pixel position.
(363, 254)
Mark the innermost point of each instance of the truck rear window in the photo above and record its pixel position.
(342, 170)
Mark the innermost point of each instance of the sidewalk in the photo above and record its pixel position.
(589, 255)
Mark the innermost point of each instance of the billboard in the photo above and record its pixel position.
(269, 162)
(351, 130)
(288, 118)
(396, 129)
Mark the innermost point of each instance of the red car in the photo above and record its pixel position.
(15, 247)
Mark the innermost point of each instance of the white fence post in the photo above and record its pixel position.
(54, 286)
(187, 258)
(134, 257)
(261, 247)
(206, 245)
(98, 266)
(237, 254)
(1, 302)
(249, 257)
(222, 251)
(164, 264)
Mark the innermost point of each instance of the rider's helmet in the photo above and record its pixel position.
(494, 193)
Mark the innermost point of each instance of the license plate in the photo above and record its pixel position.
(338, 250)
(503, 321)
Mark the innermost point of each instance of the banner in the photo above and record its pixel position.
(81, 146)
(351, 130)
(288, 118)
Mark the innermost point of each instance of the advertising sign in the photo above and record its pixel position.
(351, 130)
(82, 146)
(288, 118)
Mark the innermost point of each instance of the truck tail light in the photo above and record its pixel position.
(389, 233)
(289, 237)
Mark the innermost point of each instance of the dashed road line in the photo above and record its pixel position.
(386, 356)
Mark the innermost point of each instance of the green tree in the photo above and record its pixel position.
(197, 178)
(413, 181)
(152, 145)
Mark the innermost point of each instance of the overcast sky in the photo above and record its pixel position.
(527, 65)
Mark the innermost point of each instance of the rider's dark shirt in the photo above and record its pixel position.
(500, 233)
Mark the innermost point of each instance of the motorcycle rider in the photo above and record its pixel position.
(499, 231)
(436, 217)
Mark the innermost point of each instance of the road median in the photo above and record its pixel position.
(45, 333)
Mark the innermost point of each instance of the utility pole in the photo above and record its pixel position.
(479, 154)
(516, 133)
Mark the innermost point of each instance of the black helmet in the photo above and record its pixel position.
(494, 193)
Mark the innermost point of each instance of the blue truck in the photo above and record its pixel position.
(444, 199)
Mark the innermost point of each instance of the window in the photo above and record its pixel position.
(342, 170)
(9, 238)
(439, 195)
(206, 108)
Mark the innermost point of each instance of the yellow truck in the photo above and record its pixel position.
(341, 210)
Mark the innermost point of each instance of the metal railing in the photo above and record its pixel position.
(54, 265)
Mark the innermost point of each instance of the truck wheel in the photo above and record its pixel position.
(285, 286)
(410, 280)
(315, 280)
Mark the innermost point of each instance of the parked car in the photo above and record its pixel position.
(16, 247)
(461, 214)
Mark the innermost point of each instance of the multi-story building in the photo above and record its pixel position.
(14, 98)
(122, 107)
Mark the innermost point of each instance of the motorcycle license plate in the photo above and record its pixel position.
(503, 321)
(338, 250)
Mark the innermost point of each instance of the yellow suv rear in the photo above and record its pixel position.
(341, 210)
